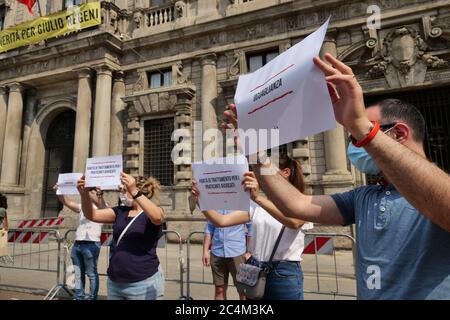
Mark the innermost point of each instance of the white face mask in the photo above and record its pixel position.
(125, 201)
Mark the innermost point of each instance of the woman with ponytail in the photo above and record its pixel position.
(134, 271)
(285, 277)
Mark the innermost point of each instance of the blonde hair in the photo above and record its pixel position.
(150, 187)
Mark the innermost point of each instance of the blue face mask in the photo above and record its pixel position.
(362, 160)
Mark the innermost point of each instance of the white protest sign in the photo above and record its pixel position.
(67, 183)
(104, 172)
(289, 94)
(219, 184)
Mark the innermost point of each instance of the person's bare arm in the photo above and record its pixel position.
(232, 219)
(206, 246)
(96, 215)
(217, 219)
(75, 207)
(72, 205)
(270, 207)
(251, 185)
(288, 199)
(151, 210)
(420, 182)
(292, 203)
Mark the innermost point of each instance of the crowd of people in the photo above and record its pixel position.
(402, 223)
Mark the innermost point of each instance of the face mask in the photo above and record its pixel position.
(125, 201)
(362, 160)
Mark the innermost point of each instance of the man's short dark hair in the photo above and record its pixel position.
(394, 110)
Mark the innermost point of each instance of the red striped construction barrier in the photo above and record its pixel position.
(321, 245)
(40, 223)
(106, 238)
(35, 237)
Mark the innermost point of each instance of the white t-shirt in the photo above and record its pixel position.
(265, 231)
(88, 230)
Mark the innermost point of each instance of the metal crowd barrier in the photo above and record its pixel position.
(45, 250)
(323, 278)
(328, 279)
(103, 262)
(32, 249)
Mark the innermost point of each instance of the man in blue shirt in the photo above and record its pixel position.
(403, 225)
(228, 248)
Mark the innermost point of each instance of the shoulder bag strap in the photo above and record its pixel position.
(126, 228)
(276, 244)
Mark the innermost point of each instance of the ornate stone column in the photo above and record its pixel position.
(117, 111)
(102, 114)
(209, 92)
(3, 114)
(10, 159)
(337, 177)
(83, 119)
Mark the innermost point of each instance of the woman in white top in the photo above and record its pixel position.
(285, 277)
(86, 248)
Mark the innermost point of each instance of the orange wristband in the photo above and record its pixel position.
(373, 132)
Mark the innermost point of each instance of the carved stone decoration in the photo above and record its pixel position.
(235, 68)
(181, 77)
(139, 85)
(180, 9)
(114, 21)
(432, 31)
(362, 50)
(403, 59)
(138, 19)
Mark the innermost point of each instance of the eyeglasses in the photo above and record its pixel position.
(388, 126)
(383, 127)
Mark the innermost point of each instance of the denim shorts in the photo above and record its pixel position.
(284, 280)
(151, 288)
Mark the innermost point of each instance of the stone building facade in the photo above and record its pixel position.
(155, 66)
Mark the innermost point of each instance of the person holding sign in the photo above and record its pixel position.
(86, 248)
(285, 276)
(134, 272)
(402, 224)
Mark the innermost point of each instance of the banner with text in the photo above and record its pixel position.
(104, 172)
(67, 183)
(220, 184)
(61, 23)
(285, 100)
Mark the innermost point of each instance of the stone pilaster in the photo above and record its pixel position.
(183, 120)
(12, 141)
(102, 113)
(133, 140)
(117, 114)
(83, 119)
(209, 92)
(3, 116)
(337, 178)
(30, 113)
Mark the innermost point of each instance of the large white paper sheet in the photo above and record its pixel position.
(289, 93)
(220, 184)
(67, 183)
(104, 172)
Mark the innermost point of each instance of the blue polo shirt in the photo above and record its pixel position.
(401, 254)
(228, 242)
